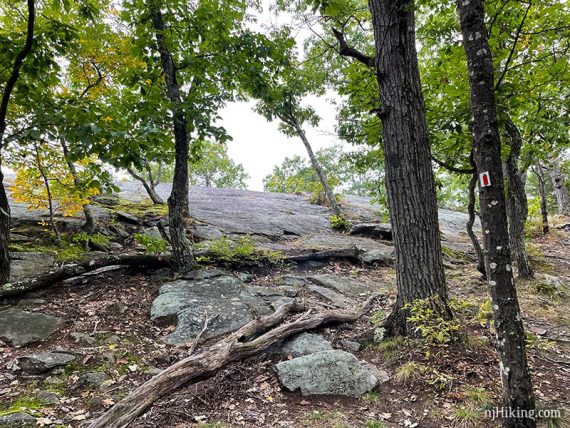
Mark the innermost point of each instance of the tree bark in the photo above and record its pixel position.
(561, 191)
(72, 271)
(6, 93)
(469, 226)
(317, 167)
(539, 171)
(148, 186)
(409, 176)
(203, 365)
(514, 371)
(178, 209)
(516, 201)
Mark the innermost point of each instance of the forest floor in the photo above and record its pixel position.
(106, 325)
(430, 386)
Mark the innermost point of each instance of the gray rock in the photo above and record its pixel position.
(353, 346)
(18, 419)
(26, 265)
(227, 301)
(292, 280)
(328, 372)
(111, 340)
(344, 284)
(153, 232)
(372, 230)
(93, 379)
(48, 397)
(115, 246)
(245, 277)
(306, 344)
(15, 237)
(21, 328)
(31, 302)
(39, 363)
(336, 298)
(118, 308)
(128, 218)
(82, 338)
(109, 200)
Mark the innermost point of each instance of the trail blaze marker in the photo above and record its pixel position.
(484, 179)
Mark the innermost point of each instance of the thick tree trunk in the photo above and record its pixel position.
(469, 226)
(409, 176)
(6, 93)
(237, 346)
(561, 190)
(178, 210)
(149, 186)
(317, 167)
(516, 201)
(539, 171)
(514, 371)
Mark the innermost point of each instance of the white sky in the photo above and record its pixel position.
(258, 144)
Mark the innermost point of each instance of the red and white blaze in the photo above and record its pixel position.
(484, 179)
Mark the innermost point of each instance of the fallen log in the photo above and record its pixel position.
(239, 345)
(326, 255)
(72, 271)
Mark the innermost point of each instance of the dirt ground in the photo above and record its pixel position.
(440, 385)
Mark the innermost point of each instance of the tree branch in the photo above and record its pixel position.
(453, 168)
(349, 51)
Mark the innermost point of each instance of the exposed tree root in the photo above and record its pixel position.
(253, 338)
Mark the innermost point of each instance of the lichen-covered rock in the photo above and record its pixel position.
(305, 344)
(328, 372)
(21, 328)
(18, 419)
(39, 363)
(228, 303)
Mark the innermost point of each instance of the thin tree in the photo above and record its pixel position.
(540, 175)
(178, 208)
(514, 371)
(7, 92)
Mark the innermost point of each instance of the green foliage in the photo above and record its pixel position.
(241, 252)
(340, 222)
(485, 313)
(410, 371)
(151, 244)
(374, 424)
(85, 238)
(424, 317)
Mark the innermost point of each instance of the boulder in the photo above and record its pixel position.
(228, 303)
(39, 363)
(20, 328)
(49, 398)
(344, 284)
(18, 419)
(93, 379)
(328, 372)
(305, 344)
(27, 265)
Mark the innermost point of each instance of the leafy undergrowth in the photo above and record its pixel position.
(447, 378)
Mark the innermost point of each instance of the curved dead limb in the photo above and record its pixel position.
(72, 271)
(241, 344)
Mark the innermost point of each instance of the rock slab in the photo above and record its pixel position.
(227, 301)
(328, 372)
(39, 363)
(20, 328)
(305, 344)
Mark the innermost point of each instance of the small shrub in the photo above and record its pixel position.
(485, 313)
(478, 396)
(467, 416)
(241, 252)
(151, 244)
(339, 222)
(84, 238)
(431, 326)
(410, 371)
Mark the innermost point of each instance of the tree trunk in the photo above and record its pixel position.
(516, 201)
(237, 346)
(539, 171)
(469, 226)
(178, 210)
(149, 187)
(409, 176)
(6, 93)
(45, 179)
(514, 371)
(317, 167)
(561, 191)
(4, 232)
